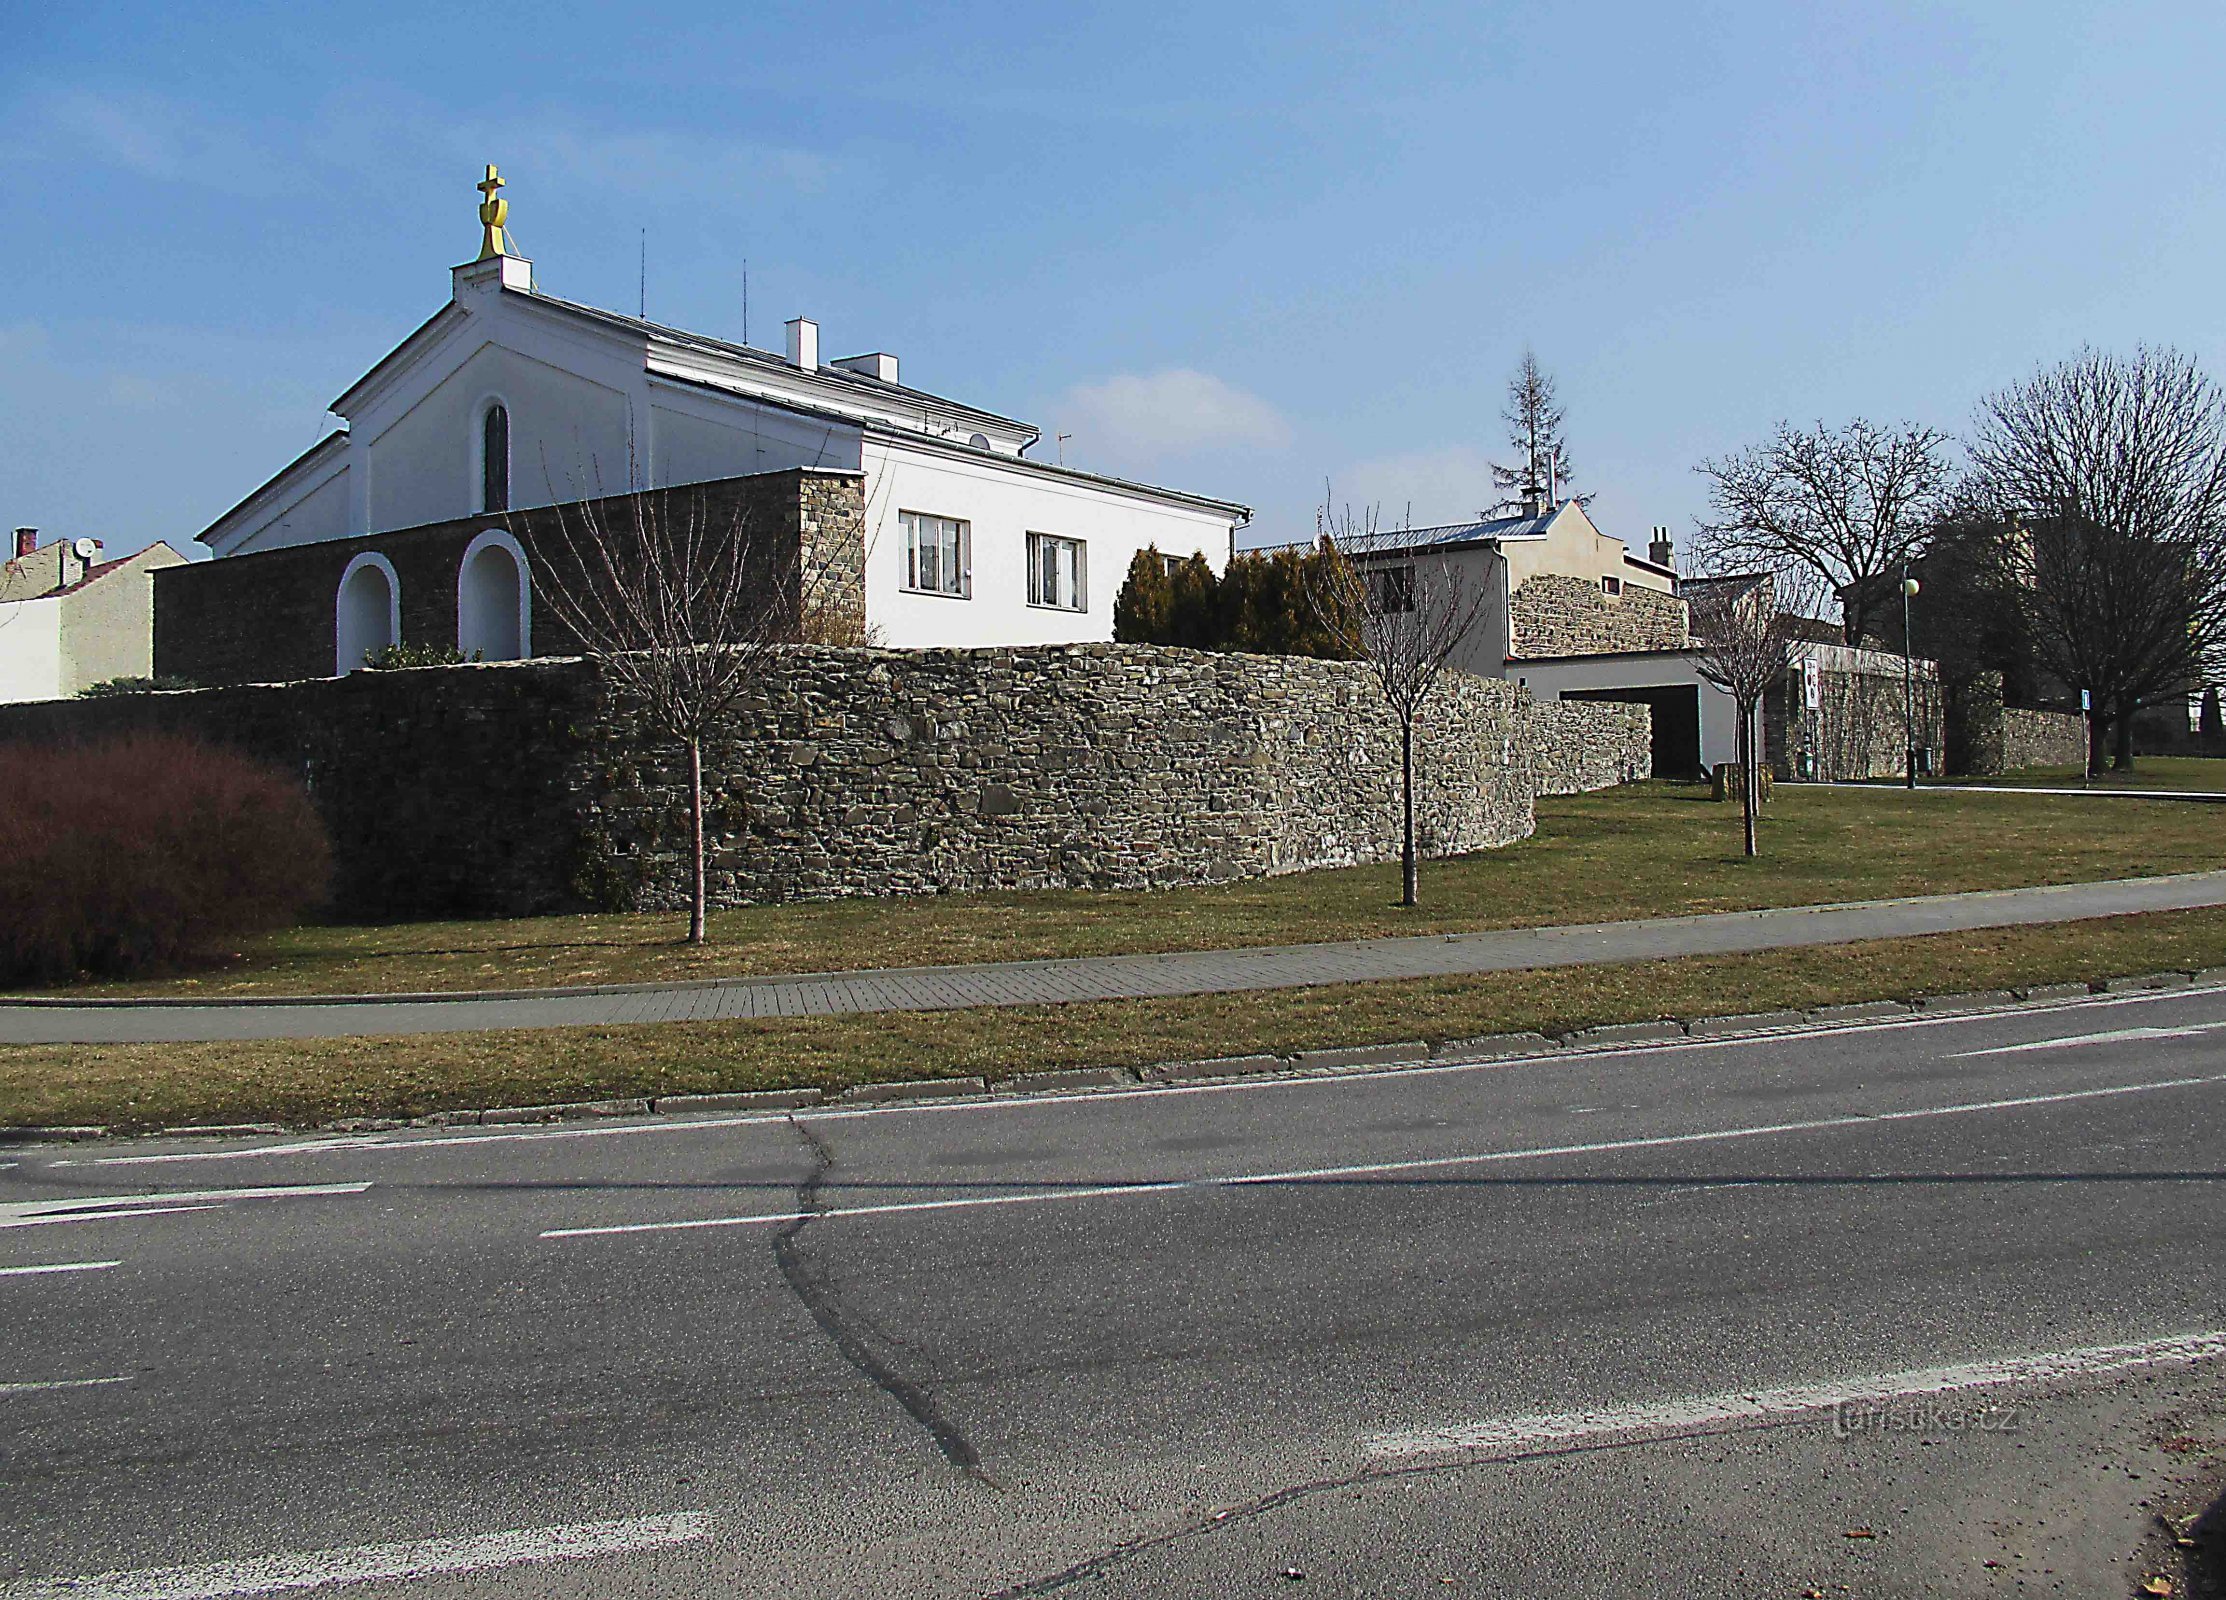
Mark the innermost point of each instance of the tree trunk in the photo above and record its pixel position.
(1410, 877)
(2123, 729)
(1750, 781)
(2096, 734)
(695, 842)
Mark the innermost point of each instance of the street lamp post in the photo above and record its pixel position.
(1909, 587)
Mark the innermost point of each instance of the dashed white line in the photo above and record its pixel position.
(2113, 1036)
(112, 1207)
(1381, 1168)
(59, 1383)
(58, 1266)
(376, 1563)
(1544, 1430)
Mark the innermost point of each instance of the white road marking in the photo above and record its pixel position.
(1547, 1429)
(1378, 1168)
(58, 1383)
(58, 1266)
(105, 1216)
(2114, 1036)
(108, 1207)
(376, 1563)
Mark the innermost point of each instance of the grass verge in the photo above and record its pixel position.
(1646, 850)
(2204, 773)
(310, 1081)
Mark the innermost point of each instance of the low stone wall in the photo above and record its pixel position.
(1577, 746)
(532, 786)
(1986, 738)
(1553, 614)
(2042, 739)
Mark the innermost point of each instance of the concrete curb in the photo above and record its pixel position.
(911, 1089)
(1085, 1080)
(1746, 1022)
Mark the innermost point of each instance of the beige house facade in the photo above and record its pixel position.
(71, 618)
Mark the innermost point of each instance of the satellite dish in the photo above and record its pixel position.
(85, 549)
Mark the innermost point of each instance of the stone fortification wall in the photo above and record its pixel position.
(1111, 766)
(1576, 746)
(1553, 614)
(446, 790)
(533, 786)
(1985, 737)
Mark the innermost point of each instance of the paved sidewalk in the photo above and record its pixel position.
(1020, 983)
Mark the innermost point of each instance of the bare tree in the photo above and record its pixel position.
(681, 596)
(2114, 472)
(1748, 642)
(1403, 610)
(1533, 417)
(1846, 505)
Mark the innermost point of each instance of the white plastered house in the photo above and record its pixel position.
(509, 398)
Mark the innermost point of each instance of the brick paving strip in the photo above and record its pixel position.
(43, 1020)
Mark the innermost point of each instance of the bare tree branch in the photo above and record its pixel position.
(1844, 505)
(2113, 475)
(1749, 639)
(680, 595)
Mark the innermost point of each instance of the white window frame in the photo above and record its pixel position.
(478, 451)
(960, 548)
(1040, 542)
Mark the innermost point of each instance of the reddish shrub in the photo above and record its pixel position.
(144, 851)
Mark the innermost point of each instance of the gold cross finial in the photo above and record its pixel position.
(494, 213)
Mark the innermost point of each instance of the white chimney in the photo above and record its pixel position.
(803, 343)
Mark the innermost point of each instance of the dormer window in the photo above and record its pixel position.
(494, 458)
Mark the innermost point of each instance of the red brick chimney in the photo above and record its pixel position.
(26, 541)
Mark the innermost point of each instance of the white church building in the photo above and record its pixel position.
(509, 397)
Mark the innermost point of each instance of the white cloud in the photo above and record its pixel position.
(1135, 416)
(152, 137)
(1430, 486)
(354, 133)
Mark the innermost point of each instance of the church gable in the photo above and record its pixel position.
(558, 436)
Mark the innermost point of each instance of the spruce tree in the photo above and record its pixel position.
(1533, 417)
(1143, 612)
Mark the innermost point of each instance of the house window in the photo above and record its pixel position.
(494, 458)
(1056, 574)
(1391, 589)
(938, 555)
(1611, 585)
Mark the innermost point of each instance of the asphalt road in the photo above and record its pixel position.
(1663, 1320)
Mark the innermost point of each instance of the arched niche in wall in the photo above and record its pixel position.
(494, 599)
(366, 611)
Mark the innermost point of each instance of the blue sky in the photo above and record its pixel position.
(1238, 249)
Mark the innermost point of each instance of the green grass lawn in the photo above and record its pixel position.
(310, 1081)
(2207, 773)
(1641, 851)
